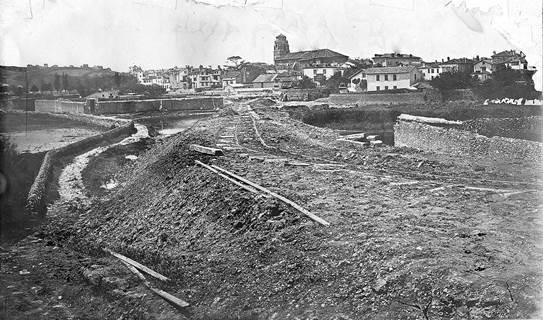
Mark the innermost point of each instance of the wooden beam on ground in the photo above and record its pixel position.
(355, 136)
(169, 297)
(206, 150)
(280, 197)
(226, 177)
(137, 265)
(358, 143)
(161, 293)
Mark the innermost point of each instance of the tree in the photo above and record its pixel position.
(455, 80)
(117, 79)
(46, 87)
(65, 82)
(19, 90)
(236, 60)
(57, 82)
(306, 83)
(34, 88)
(334, 82)
(508, 83)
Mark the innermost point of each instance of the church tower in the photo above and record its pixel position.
(280, 48)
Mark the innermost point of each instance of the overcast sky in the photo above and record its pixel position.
(166, 33)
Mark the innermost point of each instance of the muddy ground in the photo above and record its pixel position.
(33, 133)
(412, 235)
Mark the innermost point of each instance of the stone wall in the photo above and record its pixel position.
(128, 106)
(419, 97)
(183, 104)
(453, 140)
(37, 196)
(303, 94)
(59, 106)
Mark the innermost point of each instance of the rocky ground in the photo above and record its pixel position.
(412, 235)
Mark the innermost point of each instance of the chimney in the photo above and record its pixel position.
(442, 60)
(448, 58)
(477, 57)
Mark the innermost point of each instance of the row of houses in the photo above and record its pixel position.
(387, 71)
(402, 67)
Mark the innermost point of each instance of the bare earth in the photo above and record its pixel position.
(412, 235)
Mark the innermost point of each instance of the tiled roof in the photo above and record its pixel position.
(312, 54)
(401, 69)
(265, 77)
(395, 55)
(507, 53)
(231, 74)
(353, 74)
(459, 61)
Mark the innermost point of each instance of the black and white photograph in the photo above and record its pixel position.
(271, 159)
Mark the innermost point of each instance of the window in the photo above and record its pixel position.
(386, 87)
(395, 87)
(323, 71)
(415, 76)
(314, 71)
(377, 79)
(386, 77)
(483, 69)
(377, 88)
(394, 77)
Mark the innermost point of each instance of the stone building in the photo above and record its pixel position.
(320, 58)
(392, 78)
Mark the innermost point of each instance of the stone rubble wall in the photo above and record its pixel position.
(361, 99)
(453, 140)
(59, 106)
(37, 196)
(128, 106)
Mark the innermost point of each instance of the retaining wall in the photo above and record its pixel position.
(184, 104)
(59, 106)
(128, 106)
(459, 142)
(419, 97)
(37, 196)
(303, 94)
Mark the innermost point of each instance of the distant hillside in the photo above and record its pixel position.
(85, 80)
(39, 75)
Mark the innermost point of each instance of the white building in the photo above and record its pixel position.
(391, 78)
(430, 71)
(357, 81)
(321, 72)
(206, 79)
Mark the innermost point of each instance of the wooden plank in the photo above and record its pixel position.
(355, 136)
(280, 197)
(161, 293)
(359, 143)
(226, 177)
(169, 297)
(137, 265)
(206, 150)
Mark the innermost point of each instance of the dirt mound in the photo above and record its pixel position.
(181, 218)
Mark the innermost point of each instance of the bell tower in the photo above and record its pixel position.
(280, 48)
